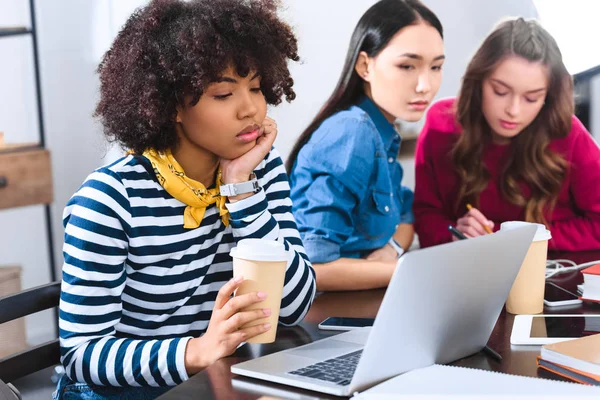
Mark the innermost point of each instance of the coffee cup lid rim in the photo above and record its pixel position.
(540, 235)
(260, 250)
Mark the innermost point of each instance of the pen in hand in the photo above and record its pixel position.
(459, 235)
(487, 228)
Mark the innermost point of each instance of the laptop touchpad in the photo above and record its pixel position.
(325, 349)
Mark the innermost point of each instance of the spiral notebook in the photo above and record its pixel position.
(457, 382)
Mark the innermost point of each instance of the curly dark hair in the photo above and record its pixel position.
(172, 50)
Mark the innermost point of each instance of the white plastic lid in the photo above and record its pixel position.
(541, 234)
(260, 250)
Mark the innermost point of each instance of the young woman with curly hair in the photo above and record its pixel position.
(147, 278)
(354, 215)
(510, 146)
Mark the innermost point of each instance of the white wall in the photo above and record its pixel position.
(466, 23)
(73, 35)
(323, 28)
(569, 25)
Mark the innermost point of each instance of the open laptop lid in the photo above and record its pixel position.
(442, 304)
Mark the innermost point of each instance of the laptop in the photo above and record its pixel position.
(441, 305)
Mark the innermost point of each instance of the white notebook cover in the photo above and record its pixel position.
(448, 382)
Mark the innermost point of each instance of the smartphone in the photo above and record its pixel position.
(556, 296)
(345, 324)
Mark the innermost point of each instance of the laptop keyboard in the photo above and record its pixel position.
(337, 370)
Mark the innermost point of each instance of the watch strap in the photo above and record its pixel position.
(396, 246)
(233, 189)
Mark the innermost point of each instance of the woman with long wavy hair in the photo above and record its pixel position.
(354, 216)
(510, 146)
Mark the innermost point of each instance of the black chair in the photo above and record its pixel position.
(39, 357)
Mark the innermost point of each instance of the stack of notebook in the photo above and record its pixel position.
(591, 284)
(578, 360)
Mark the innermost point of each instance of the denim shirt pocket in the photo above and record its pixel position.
(378, 218)
(383, 201)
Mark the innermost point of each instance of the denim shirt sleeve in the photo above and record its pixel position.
(406, 215)
(328, 182)
(326, 221)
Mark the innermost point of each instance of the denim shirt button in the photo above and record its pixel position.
(391, 160)
(387, 209)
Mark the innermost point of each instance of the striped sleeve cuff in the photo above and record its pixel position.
(248, 209)
(180, 358)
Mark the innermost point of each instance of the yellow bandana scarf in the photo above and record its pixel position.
(190, 192)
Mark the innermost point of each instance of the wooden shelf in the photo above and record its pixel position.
(25, 177)
(14, 31)
(16, 147)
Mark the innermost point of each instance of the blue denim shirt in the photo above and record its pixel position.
(345, 185)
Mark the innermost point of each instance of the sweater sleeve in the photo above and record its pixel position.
(431, 222)
(268, 215)
(581, 232)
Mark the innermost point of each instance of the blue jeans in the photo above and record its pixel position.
(69, 390)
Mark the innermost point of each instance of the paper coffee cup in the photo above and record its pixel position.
(527, 293)
(262, 263)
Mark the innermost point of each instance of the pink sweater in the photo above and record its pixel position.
(574, 221)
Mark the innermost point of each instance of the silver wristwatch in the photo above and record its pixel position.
(396, 246)
(233, 189)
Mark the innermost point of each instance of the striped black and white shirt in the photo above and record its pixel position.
(137, 285)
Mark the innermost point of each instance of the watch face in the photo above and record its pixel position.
(223, 190)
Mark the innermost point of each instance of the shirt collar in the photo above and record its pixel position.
(386, 129)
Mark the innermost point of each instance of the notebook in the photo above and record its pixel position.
(577, 359)
(460, 383)
(591, 283)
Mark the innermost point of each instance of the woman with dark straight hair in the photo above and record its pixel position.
(354, 216)
(510, 146)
